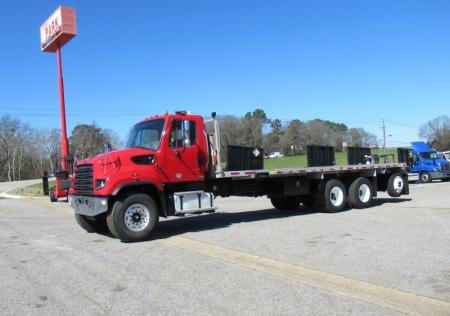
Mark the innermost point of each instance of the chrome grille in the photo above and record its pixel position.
(445, 167)
(84, 180)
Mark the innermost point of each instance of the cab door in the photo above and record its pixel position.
(183, 157)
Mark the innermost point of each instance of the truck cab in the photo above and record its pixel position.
(428, 164)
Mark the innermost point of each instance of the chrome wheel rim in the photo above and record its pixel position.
(336, 196)
(136, 217)
(364, 193)
(425, 177)
(398, 184)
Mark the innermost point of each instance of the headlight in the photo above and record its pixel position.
(100, 183)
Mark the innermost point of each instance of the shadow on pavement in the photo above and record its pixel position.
(184, 225)
(380, 201)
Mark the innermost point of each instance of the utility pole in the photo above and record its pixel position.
(383, 128)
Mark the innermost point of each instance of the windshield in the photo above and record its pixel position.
(429, 155)
(146, 135)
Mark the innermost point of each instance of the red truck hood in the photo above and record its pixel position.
(116, 156)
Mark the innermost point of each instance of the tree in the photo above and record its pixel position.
(54, 144)
(337, 133)
(13, 143)
(358, 137)
(319, 133)
(437, 132)
(252, 127)
(296, 135)
(276, 126)
(230, 132)
(88, 140)
(111, 137)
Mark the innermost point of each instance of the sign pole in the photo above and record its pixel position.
(62, 106)
(59, 28)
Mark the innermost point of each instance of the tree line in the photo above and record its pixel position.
(437, 132)
(26, 152)
(257, 129)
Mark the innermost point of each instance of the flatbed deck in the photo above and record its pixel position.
(298, 171)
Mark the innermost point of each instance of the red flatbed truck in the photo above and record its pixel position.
(171, 167)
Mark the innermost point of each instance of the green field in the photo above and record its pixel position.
(301, 161)
(32, 190)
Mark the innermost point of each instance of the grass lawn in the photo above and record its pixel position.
(32, 190)
(301, 161)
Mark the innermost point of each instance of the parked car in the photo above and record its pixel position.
(276, 154)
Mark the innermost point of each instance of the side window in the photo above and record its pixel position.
(176, 134)
(183, 134)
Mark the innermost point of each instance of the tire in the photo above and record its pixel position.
(445, 179)
(396, 184)
(289, 203)
(335, 196)
(90, 225)
(425, 177)
(133, 217)
(52, 196)
(360, 193)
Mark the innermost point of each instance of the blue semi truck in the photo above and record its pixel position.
(428, 164)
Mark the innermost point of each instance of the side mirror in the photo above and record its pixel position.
(186, 134)
(107, 147)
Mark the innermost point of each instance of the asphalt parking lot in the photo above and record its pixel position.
(247, 258)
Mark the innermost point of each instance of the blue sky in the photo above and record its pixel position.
(355, 62)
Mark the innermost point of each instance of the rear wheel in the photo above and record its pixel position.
(425, 177)
(335, 196)
(133, 218)
(289, 203)
(396, 185)
(360, 193)
(90, 225)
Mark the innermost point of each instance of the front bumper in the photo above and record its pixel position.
(88, 205)
(413, 177)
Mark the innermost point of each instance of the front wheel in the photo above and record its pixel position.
(133, 217)
(90, 225)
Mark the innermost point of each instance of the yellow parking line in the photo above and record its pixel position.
(374, 294)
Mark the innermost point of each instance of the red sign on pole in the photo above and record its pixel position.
(58, 29)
